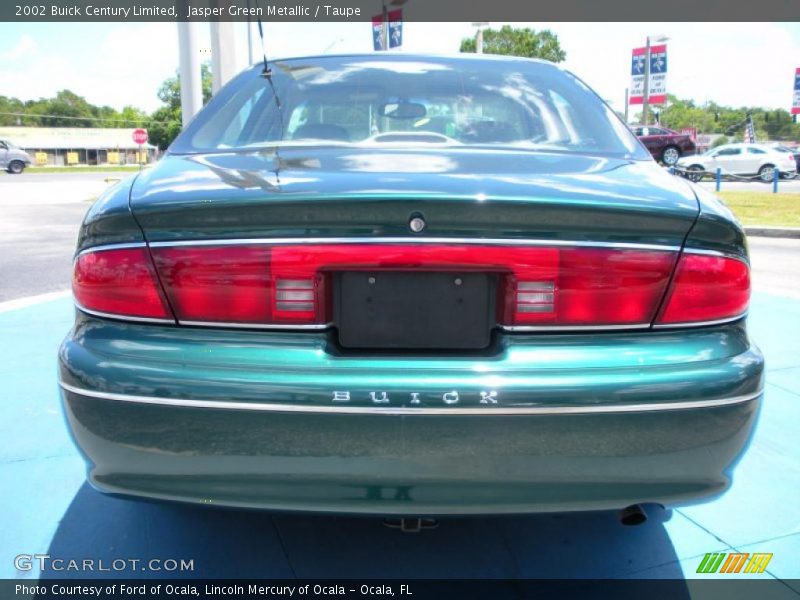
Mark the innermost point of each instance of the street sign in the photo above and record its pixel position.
(140, 136)
(395, 28)
(796, 100)
(658, 75)
(377, 32)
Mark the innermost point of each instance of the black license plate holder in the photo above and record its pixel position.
(401, 310)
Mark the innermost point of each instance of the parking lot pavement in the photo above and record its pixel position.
(47, 507)
(41, 214)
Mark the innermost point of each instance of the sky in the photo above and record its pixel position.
(118, 64)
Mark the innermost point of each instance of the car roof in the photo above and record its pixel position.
(401, 56)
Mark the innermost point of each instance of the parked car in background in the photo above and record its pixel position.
(795, 152)
(744, 160)
(13, 158)
(664, 144)
(414, 285)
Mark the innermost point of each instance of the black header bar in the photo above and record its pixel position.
(413, 10)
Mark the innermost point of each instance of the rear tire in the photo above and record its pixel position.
(670, 155)
(695, 173)
(16, 167)
(766, 173)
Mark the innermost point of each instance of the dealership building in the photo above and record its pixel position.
(65, 146)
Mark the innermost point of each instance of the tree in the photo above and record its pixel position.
(513, 41)
(167, 121)
(727, 120)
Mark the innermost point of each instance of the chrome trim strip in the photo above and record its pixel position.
(402, 410)
(522, 328)
(412, 240)
(276, 326)
(105, 247)
(693, 324)
(97, 313)
(719, 253)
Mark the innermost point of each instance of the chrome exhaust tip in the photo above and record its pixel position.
(632, 515)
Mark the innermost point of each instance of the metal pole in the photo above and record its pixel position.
(385, 29)
(719, 178)
(776, 174)
(479, 41)
(626, 106)
(223, 53)
(646, 91)
(191, 90)
(249, 42)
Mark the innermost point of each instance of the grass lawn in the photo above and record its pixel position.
(764, 208)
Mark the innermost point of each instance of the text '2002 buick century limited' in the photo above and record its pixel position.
(410, 285)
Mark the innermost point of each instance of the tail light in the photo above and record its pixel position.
(119, 281)
(706, 289)
(540, 286)
(287, 284)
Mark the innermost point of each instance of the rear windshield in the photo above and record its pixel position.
(406, 100)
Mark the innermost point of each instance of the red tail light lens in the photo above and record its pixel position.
(118, 282)
(286, 284)
(706, 288)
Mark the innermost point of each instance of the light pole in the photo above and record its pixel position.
(385, 29)
(479, 36)
(646, 91)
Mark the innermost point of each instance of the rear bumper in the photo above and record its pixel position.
(248, 419)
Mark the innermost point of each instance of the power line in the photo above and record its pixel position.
(35, 115)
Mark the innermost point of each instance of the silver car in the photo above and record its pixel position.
(13, 158)
(744, 160)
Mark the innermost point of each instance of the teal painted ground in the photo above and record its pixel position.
(46, 507)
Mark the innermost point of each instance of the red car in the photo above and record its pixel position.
(664, 144)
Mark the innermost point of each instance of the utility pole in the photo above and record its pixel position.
(385, 28)
(646, 91)
(223, 53)
(189, 54)
(479, 36)
(626, 106)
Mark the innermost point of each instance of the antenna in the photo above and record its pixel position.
(267, 72)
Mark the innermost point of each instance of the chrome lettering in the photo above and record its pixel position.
(489, 397)
(341, 396)
(450, 397)
(382, 399)
(414, 398)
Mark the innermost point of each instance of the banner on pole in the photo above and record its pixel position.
(658, 75)
(796, 100)
(395, 28)
(377, 32)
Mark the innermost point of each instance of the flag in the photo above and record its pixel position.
(395, 28)
(749, 131)
(377, 32)
(658, 75)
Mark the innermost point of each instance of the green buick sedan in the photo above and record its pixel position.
(410, 285)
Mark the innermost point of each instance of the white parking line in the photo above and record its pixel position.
(31, 300)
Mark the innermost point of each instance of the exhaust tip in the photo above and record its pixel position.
(632, 515)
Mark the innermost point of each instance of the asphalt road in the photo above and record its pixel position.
(40, 215)
(39, 219)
